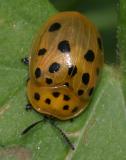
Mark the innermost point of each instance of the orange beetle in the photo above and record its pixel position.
(64, 65)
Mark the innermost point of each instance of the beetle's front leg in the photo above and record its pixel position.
(28, 107)
(25, 60)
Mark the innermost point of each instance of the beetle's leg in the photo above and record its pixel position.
(28, 107)
(52, 122)
(25, 60)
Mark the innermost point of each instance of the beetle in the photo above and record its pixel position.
(64, 67)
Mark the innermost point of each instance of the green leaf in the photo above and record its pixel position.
(98, 133)
(122, 41)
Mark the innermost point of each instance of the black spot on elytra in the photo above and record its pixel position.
(54, 27)
(72, 71)
(42, 52)
(56, 94)
(91, 91)
(54, 67)
(89, 56)
(75, 110)
(80, 92)
(49, 81)
(85, 78)
(48, 101)
(66, 97)
(37, 72)
(99, 43)
(66, 107)
(36, 96)
(64, 46)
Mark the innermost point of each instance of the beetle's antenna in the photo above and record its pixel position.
(63, 134)
(31, 126)
(52, 122)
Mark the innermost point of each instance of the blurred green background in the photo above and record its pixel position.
(104, 15)
(98, 133)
